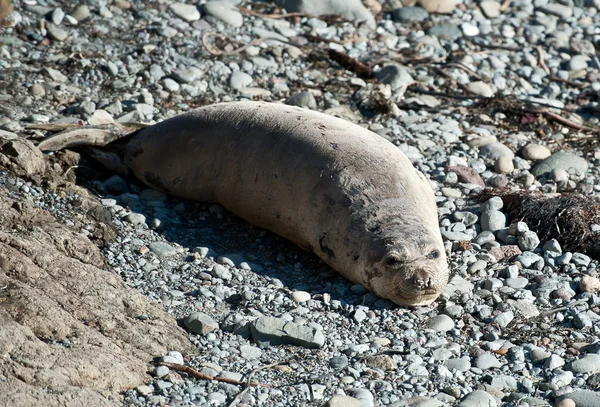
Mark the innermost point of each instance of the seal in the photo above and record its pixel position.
(332, 187)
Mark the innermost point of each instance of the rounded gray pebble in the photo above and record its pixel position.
(440, 323)
(410, 14)
(562, 160)
(338, 362)
(200, 323)
(478, 398)
(493, 221)
(239, 80)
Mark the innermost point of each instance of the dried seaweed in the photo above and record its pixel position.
(361, 69)
(566, 217)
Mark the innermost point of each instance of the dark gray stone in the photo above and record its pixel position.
(583, 398)
(200, 323)
(277, 331)
(350, 9)
(409, 15)
(562, 160)
(445, 31)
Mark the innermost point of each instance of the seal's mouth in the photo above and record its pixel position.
(424, 298)
(427, 293)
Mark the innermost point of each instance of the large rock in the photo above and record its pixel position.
(343, 401)
(187, 12)
(277, 331)
(583, 398)
(21, 156)
(478, 398)
(394, 75)
(437, 6)
(589, 364)
(70, 331)
(561, 160)
(225, 12)
(350, 9)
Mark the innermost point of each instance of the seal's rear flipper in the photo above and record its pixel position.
(111, 161)
(85, 136)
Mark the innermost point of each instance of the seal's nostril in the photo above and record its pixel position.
(422, 280)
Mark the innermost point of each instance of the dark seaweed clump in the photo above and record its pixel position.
(566, 217)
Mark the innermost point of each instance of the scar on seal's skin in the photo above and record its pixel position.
(324, 247)
(135, 152)
(155, 181)
(374, 273)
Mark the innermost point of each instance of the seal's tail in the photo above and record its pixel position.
(85, 136)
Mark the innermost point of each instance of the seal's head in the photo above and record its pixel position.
(408, 267)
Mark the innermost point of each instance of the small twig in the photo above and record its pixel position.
(327, 40)
(566, 122)
(408, 61)
(554, 116)
(505, 5)
(417, 106)
(249, 12)
(566, 307)
(448, 95)
(548, 105)
(542, 63)
(496, 46)
(252, 373)
(568, 82)
(72, 168)
(466, 69)
(197, 375)
(361, 69)
(218, 52)
(326, 17)
(465, 88)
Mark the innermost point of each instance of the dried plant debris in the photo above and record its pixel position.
(361, 69)
(567, 217)
(5, 10)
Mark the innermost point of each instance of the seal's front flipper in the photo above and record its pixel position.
(82, 136)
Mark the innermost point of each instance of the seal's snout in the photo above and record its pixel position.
(409, 270)
(422, 280)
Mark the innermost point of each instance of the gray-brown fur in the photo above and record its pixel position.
(330, 186)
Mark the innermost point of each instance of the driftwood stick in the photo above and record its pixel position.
(219, 52)
(361, 69)
(238, 398)
(197, 375)
(542, 63)
(464, 68)
(566, 122)
(327, 17)
(568, 82)
(505, 5)
(465, 88)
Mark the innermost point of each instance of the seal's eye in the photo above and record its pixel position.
(392, 261)
(434, 254)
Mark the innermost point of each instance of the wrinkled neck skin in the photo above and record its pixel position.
(403, 257)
